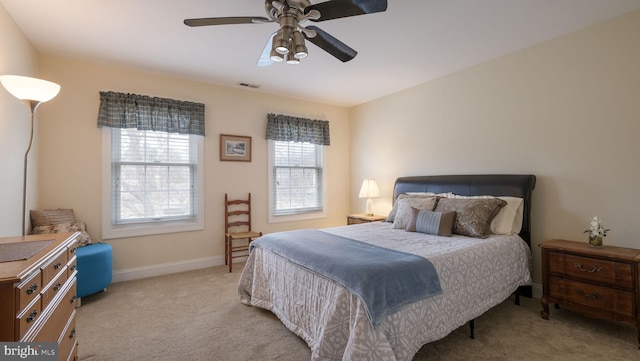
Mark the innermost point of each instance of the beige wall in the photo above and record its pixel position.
(17, 57)
(71, 153)
(567, 110)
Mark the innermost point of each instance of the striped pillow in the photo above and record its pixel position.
(430, 222)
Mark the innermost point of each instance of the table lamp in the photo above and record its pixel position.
(369, 190)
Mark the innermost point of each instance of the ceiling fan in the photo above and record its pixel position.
(287, 44)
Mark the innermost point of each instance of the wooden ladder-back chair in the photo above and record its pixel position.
(237, 226)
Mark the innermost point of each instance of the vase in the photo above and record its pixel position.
(595, 241)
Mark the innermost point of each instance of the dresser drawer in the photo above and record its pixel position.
(67, 341)
(27, 290)
(72, 266)
(71, 249)
(52, 289)
(609, 272)
(51, 269)
(597, 297)
(50, 331)
(28, 317)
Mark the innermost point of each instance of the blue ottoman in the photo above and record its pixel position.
(94, 268)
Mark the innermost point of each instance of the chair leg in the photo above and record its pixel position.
(229, 255)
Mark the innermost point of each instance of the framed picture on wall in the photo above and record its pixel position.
(235, 148)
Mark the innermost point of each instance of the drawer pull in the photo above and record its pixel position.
(73, 268)
(57, 286)
(32, 288)
(590, 270)
(73, 250)
(72, 334)
(57, 265)
(72, 299)
(32, 316)
(593, 296)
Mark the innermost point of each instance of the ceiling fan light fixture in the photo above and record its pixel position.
(291, 59)
(299, 49)
(280, 43)
(275, 56)
(282, 40)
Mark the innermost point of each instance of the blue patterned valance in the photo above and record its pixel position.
(294, 129)
(119, 110)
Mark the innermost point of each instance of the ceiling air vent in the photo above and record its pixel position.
(249, 85)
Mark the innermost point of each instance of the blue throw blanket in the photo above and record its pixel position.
(384, 279)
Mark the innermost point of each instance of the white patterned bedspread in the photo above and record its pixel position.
(475, 274)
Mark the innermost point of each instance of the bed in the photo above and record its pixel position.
(474, 274)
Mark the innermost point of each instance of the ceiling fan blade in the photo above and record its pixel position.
(331, 45)
(227, 21)
(265, 57)
(335, 9)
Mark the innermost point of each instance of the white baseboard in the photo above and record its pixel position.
(166, 268)
(536, 290)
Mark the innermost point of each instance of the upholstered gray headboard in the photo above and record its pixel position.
(513, 185)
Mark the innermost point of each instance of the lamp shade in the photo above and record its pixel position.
(369, 189)
(26, 88)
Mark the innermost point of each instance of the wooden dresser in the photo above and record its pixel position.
(596, 282)
(38, 294)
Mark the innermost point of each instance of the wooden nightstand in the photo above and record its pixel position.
(595, 282)
(363, 218)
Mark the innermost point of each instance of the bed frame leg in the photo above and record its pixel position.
(472, 325)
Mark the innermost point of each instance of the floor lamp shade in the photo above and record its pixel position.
(32, 92)
(26, 88)
(369, 190)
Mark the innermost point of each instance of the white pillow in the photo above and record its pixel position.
(509, 219)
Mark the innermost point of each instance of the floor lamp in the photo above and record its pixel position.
(32, 92)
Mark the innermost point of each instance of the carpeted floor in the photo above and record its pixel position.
(197, 316)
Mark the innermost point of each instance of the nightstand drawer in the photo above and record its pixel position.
(592, 269)
(597, 297)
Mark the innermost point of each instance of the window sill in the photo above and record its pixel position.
(136, 230)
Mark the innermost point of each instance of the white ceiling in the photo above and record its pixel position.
(411, 43)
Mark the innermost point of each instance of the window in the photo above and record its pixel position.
(153, 183)
(152, 166)
(296, 169)
(296, 181)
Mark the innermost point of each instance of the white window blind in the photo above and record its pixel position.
(154, 176)
(297, 177)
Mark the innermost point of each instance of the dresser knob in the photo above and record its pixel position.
(72, 334)
(57, 265)
(32, 288)
(57, 286)
(590, 270)
(32, 316)
(72, 299)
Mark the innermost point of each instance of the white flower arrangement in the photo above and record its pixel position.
(596, 229)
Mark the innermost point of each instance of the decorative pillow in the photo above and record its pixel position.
(430, 222)
(509, 219)
(83, 240)
(47, 217)
(473, 215)
(403, 215)
(394, 210)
